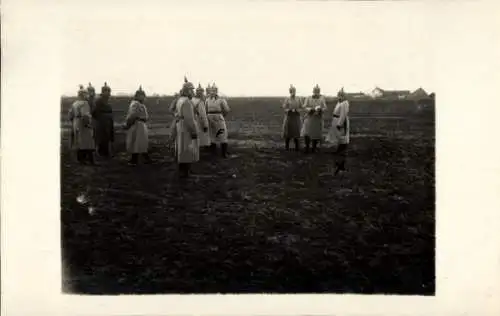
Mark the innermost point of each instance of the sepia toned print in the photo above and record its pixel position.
(356, 219)
(289, 170)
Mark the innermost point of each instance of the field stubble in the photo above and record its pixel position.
(265, 220)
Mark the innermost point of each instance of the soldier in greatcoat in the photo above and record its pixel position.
(201, 117)
(339, 132)
(137, 129)
(82, 133)
(312, 129)
(186, 130)
(104, 122)
(217, 110)
(291, 122)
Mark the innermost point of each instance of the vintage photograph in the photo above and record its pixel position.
(274, 147)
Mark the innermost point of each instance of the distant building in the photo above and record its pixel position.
(353, 96)
(419, 94)
(356, 95)
(377, 93)
(389, 94)
(422, 99)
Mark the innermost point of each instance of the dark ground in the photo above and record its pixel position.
(282, 224)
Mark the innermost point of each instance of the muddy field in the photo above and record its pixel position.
(265, 220)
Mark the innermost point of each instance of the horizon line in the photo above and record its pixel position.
(154, 94)
(364, 92)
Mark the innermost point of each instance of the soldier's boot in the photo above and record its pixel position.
(314, 145)
(103, 150)
(213, 148)
(287, 144)
(340, 166)
(90, 157)
(183, 170)
(308, 144)
(80, 156)
(223, 148)
(296, 141)
(134, 159)
(147, 158)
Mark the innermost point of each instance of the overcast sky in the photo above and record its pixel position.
(249, 48)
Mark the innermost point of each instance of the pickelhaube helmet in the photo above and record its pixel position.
(200, 88)
(81, 90)
(187, 85)
(341, 93)
(316, 89)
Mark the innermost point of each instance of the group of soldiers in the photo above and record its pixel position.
(199, 123)
(304, 119)
(92, 124)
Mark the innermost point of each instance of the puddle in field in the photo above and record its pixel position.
(82, 198)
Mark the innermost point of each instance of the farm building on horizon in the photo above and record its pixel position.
(419, 94)
(389, 94)
(352, 96)
(356, 95)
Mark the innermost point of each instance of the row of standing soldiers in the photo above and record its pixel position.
(92, 126)
(199, 122)
(305, 118)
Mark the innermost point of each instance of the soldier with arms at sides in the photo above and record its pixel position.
(312, 130)
(217, 109)
(339, 131)
(201, 117)
(291, 122)
(172, 109)
(186, 131)
(82, 133)
(104, 123)
(91, 96)
(91, 99)
(137, 129)
(208, 91)
(173, 103)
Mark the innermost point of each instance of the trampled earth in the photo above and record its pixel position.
(264, 220)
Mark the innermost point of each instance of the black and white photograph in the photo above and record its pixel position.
(253, 150)
(234, 152)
